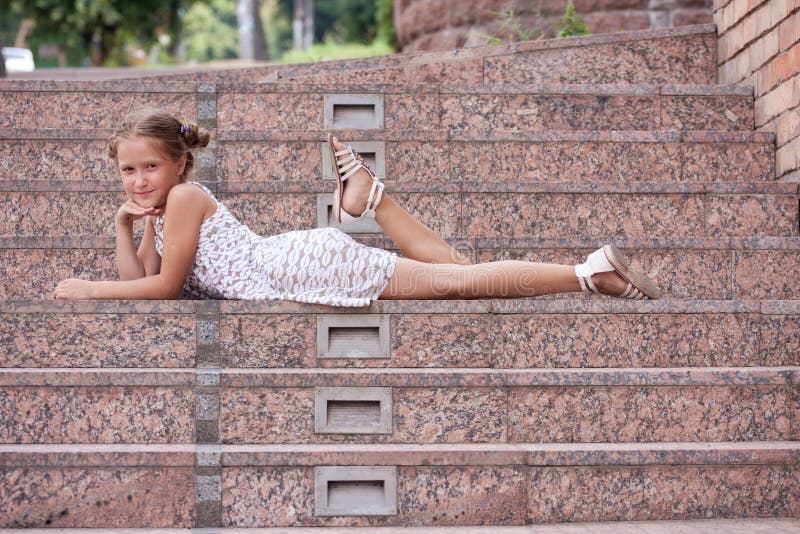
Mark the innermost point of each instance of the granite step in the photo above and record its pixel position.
(479, 334)
(402, 406)
(260, 107)
(108, 486)
(453, 209)
(668, 55)
(671, 526)
(684, 268)
(438, 156)
(654, 56)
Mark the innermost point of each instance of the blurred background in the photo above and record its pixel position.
(153, 33)
(177, 33)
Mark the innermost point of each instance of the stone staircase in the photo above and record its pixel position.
(494, 413)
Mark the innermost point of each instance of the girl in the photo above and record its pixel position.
(192, 244)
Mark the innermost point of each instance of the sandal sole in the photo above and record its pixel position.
(640, 280)
(337, 196)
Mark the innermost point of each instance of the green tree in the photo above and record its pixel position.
(210, 31)
(384, 21)
(102, 29)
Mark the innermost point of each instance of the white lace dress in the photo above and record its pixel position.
(321, 266)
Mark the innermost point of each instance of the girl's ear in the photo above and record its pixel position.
(181, 165)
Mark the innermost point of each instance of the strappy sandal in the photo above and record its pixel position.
(346, 163)
(609, 258)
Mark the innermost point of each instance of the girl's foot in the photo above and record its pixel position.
(607, 272)
(356, 187)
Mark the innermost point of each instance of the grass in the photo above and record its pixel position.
(331, 51)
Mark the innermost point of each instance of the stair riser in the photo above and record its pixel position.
(683, 274)
(451, 215)
(526, 415)
(103, 414)
(435, 161)
(416, 340)
(292, 111)
(499, 112)
(688, 59)
(104, 497)
(87, 109)
(102, 340)
(447, 495)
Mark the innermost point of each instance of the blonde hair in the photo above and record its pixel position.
(173, 137)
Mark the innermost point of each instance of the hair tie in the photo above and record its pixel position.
(185, 128)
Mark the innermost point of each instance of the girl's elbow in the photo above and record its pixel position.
(173, 293)
(170, 289)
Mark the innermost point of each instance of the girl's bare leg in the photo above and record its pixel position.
(501, 279)
(415, 240)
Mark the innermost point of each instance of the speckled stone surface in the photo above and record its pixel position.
(716, 161)
(601, 414)
(689, 59)
(58, 213)
(105, 497)
(103, 340)
(255, 497)
(87, 109)
(242, 161)
(706, 113)
(273, 214)
(418, 161)
(268, 340)
(269, 111)
(97, 415)
(34, 273)
(57, 160)
(550, 215)
(421, 415)
(557, 112)
(636, 215)
(661, 492)
(428, 340)
(758, 274)
(634, 341)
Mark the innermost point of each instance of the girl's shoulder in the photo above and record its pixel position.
(195, 193)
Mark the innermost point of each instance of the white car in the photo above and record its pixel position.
(18, 59)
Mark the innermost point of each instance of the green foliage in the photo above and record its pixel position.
(346, 21)
(100, 28)
(276, 20)
(571, 25)
(210, 31)
(384, 21)
(329, 51)
(511, 28)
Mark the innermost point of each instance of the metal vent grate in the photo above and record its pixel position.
(349, 494)
(350, 111)
(353, 336)
(355, 490)
(353, 410)
(354, 413)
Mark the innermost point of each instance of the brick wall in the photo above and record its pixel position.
(759, 45)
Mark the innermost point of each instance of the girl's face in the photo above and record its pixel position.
(148, 175)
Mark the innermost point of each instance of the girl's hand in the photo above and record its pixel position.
(74, 288)
(131, 211)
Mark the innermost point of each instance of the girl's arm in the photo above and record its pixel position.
(184, 214)
(130, 263)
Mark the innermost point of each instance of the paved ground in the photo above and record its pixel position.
(712, 526)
